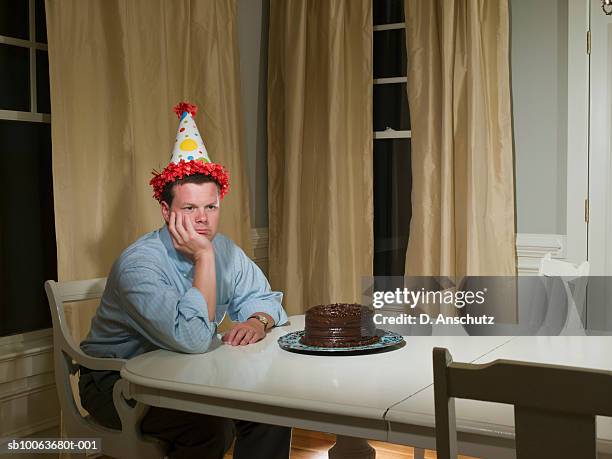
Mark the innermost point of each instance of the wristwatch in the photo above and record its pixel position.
(263, 319)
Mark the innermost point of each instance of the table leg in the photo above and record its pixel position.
(351, 448)
(419, 453)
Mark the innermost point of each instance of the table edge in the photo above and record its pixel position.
(356, 411)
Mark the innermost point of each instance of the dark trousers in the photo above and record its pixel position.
(189, 435)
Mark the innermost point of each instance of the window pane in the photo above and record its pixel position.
(14, 85)
(42, 82)
(14, 19)
(391, 107)
(389, 53)
(27, 230)
(392, 205)
(388, 11)
(41, 21)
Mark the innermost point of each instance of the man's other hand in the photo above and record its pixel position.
(186, 239)
(244, 333)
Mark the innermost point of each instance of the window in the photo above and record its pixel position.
(392, 172)
(27, 230)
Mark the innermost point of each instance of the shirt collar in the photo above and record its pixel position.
(182, 263)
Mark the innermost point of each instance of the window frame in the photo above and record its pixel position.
(32, 118)
(389, 244)
(32, 45)
(390, 133)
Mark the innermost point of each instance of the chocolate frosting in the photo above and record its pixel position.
(339, 325)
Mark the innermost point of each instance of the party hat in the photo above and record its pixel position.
(189, 156)
(189, 144)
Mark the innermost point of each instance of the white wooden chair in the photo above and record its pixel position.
(571, 320)
(125, 443)
(554, 416)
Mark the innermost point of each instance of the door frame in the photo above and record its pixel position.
(577, 130)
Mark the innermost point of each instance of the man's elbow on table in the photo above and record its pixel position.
(194, 340)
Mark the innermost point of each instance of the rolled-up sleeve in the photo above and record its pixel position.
(169, 319)
(252, 292)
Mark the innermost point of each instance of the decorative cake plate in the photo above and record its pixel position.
(291, 342)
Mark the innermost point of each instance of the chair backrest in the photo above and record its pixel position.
(569, 271)
(554, 415)
(67, 354)
(61, 293)
(574, 319)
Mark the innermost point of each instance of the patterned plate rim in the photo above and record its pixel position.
(394, 339)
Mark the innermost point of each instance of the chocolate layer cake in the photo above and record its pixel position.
(339, 325)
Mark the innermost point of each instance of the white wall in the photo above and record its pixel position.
(253, 47)
(539, 97)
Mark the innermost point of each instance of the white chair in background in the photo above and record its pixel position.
(554, 417)
(574, 320)
(125, 443)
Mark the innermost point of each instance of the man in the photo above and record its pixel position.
(169, 290)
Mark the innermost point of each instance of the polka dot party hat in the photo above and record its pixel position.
(189, 144)
(189, 156)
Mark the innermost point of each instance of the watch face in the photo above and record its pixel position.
(263, 320)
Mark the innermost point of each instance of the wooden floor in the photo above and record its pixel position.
(306, 444)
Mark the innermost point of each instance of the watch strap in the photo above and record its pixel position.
(263, 319)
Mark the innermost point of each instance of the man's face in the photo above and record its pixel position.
(200, 203)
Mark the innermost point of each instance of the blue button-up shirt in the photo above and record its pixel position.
(150, 302)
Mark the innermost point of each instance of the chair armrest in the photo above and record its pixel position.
(94, 363)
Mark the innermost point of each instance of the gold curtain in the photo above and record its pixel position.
(117, 67)
(320, 150)
(463, 210)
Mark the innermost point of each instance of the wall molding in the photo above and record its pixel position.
(51, 423)
(26, 386)
(531, 248)
(259, 241)
(259, 238)
(25, 337)
(28, 396)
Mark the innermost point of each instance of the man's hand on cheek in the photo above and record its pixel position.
(186, 239)
(244, 333)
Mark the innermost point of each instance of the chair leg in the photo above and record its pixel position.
(135, 444)
(131, 417)
(419, 453)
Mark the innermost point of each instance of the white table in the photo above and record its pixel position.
(347, 395)
(487, 429)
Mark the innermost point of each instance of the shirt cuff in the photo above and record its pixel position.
(273, 309)
(193, 304)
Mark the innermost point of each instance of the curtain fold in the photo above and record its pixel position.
(463, 220)
(320, 150)
(117, 67)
